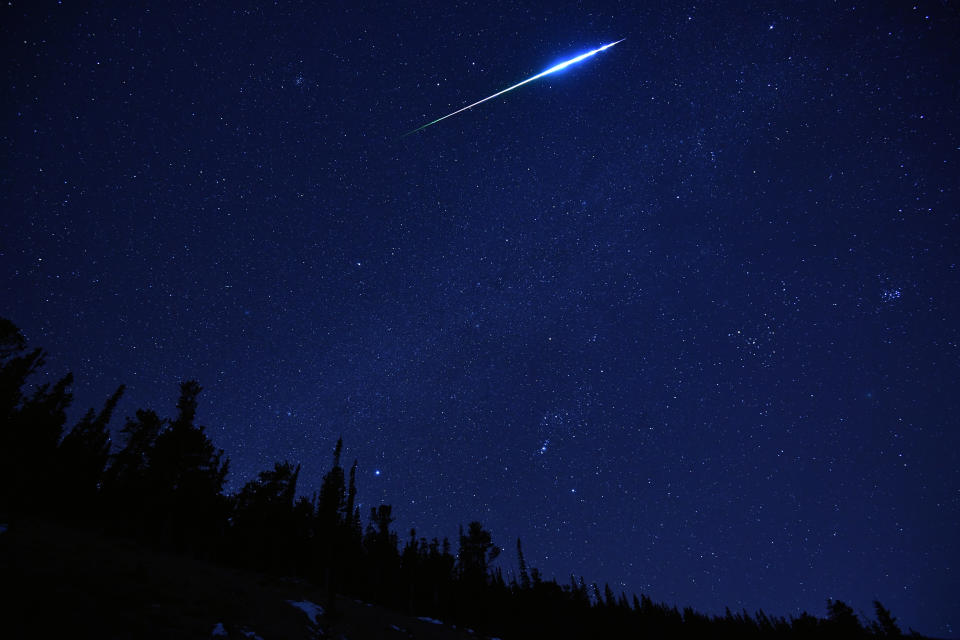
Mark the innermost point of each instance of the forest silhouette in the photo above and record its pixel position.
(163, 487)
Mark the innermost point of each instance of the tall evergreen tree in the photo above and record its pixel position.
(886, 624)
(82, 456)
(263, 518)
(125, 487)
(351, 513)
(380, 545)
(29, 440)
(841, 620)
(16, 366)
(330, 525)
(185, 475)
(524, 576)
(477, 551)
(331, 503)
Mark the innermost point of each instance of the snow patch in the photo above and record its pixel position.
(218, 631)
(430, 620)
(312, 610)
(250, 634)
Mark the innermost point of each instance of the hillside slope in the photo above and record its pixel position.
(66, 581)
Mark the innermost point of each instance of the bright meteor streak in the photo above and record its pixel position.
(553, 69)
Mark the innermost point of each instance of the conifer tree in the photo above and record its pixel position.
(332, 501)
(125, 479)
(352, 536)
(185, 475)
(409, 561)
(16, 441)
(263, 517)
(886, 624)
(609, 600)
(29, 443)
(82, 456)
(477, 551)
(524, 576)
(841, 620)
(351, 493)
(380, 545)
(15, 368)
(330, 525)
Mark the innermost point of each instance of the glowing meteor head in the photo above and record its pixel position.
(583, 56)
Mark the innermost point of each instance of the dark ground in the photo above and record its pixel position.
(74, 582)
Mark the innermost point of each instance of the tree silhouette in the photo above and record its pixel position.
(125, 482)
(409, 561)
(524, 576)
(16, 366)
(82, 457)
(841, 620)
(263, 518)
(185, 476)
(28, 440)
(380, 545)
(331, 524)
(332, 501)
(437, 566)
(350, 512)
(886, 624)
(477, 551)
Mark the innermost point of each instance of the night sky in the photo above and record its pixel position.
(683, 317)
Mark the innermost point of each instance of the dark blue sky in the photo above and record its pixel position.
(683, 317)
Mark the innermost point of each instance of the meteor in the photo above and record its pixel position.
(553, 69)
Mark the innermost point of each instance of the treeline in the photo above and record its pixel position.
(163, 485)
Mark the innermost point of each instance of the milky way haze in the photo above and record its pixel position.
(684, 320)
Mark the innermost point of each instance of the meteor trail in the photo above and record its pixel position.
(562, 65)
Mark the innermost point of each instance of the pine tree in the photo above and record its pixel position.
(609, 600)
(263, 518)
(15, 368)
(886, 624)
(841, 620)
(410, 571)
(477, 551)
(28, 442)
(524, 576)
(331, 504)
(351, 492)
(125, 479)
(17, 441)
(185, 475)
(380, 545)
(330, 525)
(352, 530)
(82, 457)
